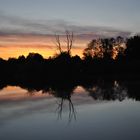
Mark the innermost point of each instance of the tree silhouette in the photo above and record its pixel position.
(58, 43)
(35, 57)
(133, 48)
(69, 42)
(107, 48)
(94, 50)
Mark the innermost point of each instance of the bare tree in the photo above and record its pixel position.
(70, 39)
(69, 42)
(58, 43)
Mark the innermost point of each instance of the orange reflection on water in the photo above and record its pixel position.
(12, 93)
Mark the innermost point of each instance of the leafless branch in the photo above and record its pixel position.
(69, 42)
(69, 37)
(58, 43)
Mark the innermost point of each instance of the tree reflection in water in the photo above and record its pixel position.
(63, 93)
(109, 90)
(72, 112)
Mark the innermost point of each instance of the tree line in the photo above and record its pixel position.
(107, 57)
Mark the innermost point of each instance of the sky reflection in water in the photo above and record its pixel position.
(87, 113)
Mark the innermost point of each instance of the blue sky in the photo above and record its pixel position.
(120, 15)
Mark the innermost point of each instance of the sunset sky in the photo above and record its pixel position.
(29, 25)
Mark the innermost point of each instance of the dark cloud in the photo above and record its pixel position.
(16, 25)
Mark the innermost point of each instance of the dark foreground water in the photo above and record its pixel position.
(89, 113)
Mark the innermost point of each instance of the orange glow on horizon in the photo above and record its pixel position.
(15, 51)
(15, 46)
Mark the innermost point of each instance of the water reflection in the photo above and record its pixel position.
(109, 91)
(97, 90)
(98, 106)
(72, 112)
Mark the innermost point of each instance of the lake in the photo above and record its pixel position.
(101, 112)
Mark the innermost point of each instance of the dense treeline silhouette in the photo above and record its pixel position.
(103, 58)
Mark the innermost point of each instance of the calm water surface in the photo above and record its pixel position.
(86, 114)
